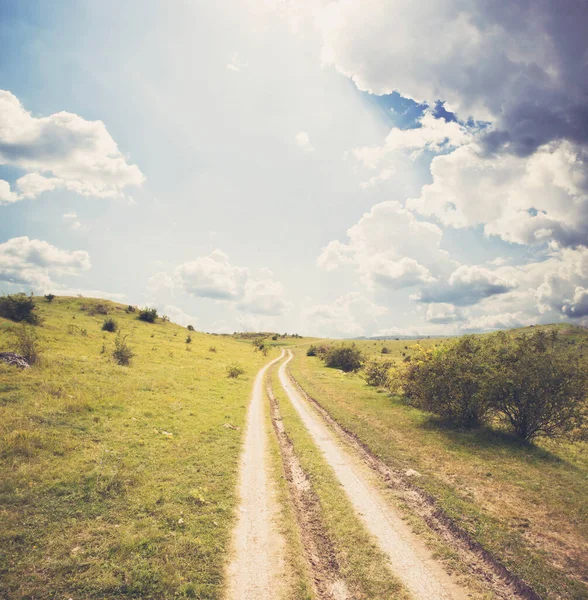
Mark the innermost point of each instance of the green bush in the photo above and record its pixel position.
(109, 325)
(451, 382)
(311, 350)
(189, 339)
(26, 342)
(538, 385)
(149, 315)
(385, 350)
(49, 297)
(18, 307)
(122, 352)
(346, 358)
(234, 371)
(190, 328)
(377, 373)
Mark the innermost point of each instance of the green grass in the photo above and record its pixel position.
(119, 481)
(525, 503)
(297, 577)
(362, 564)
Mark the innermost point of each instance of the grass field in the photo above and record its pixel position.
(119, 481)
(525, 503)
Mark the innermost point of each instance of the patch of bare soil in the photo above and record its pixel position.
(318, 548)
(257, 565)
(481, 563)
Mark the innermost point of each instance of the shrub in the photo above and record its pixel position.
(450, 381)
(274, 337)
(99, 309)
(131, 309)
(311, 350)
(377, 373)
(148, 315)
(234, 371)
(190, 328)
(26, 342)
(18, 307)
(385, 350)
(188, 340)
(212, 349)
(49, 297)
(109, 325)
(122, 352)
(538, 385)
(346, 358)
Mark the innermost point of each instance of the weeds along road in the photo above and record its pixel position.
(409, 559)
(254, 570)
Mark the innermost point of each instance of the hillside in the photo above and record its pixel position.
(119, 480)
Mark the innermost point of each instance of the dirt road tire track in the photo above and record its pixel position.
(254, 570)
(409, 560)
(318, 548)
(481, 563)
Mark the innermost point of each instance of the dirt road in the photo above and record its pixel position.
(409, 558)
(255, 568)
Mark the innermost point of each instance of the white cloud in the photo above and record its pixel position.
(348, 316)
(522, 200)
(303, 141)
(431, 134)
(519, 65)
(7, 196)
(467, 285)
(71, 215)
(79, 155)
(215, 278)
(389, 247)
(177, 315)
(443, 313)
(33, 262)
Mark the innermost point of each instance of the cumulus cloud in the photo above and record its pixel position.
(33, 262)
(467, 285)
(523, 200)
(62, 151)
(348, 316)
(216, 278)
(7, 196)
(518, 65)
(390, 248)
(443, 313)
(434, 134)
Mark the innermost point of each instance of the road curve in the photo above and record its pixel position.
(252, 571)
(409, 559)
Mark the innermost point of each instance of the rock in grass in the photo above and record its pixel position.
(10, 358)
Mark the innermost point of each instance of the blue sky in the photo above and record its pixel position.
(352, 168)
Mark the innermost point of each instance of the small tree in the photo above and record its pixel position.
(346, 358)
(26, 342)
(49, 297)
(149, 315)
(450, 381)
(311, 350)
(122, 352)
(18, 307)
(377, 373)
(538, 385)
(109, 325)
(190, 328)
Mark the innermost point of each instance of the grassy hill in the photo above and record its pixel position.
(119, 481)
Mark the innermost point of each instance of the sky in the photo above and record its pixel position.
(342, 169)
